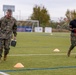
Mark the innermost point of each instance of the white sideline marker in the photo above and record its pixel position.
(2, 73)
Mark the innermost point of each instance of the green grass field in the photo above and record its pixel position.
(35, 52)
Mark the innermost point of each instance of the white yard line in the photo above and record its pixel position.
(38, 54)
(2, 73)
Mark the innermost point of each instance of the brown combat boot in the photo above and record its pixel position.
(68, 54)
(0, 58)
(5, 57)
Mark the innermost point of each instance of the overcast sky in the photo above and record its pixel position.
(56, 8)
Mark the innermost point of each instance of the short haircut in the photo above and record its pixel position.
(9, 10)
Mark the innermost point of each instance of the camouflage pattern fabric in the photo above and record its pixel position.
(7, 27)
(73, 39)
(5, 43)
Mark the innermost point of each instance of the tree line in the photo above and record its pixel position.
(41, 14)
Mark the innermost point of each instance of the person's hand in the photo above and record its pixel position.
(74, 28)
(14, 38)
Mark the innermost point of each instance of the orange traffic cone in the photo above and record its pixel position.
(18, 65)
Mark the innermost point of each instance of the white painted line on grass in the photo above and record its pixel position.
(33, 54)
(38, 54)
(2, 73)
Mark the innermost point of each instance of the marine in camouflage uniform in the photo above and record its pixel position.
(8, 28)
(72, 27)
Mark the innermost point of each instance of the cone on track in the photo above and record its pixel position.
(18, 65)
(56, 50)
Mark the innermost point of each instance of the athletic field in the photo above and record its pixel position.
(35, 52)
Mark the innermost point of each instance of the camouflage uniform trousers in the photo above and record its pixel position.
(73, 39)
(4, 45)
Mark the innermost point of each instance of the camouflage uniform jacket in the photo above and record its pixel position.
(7, 27)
